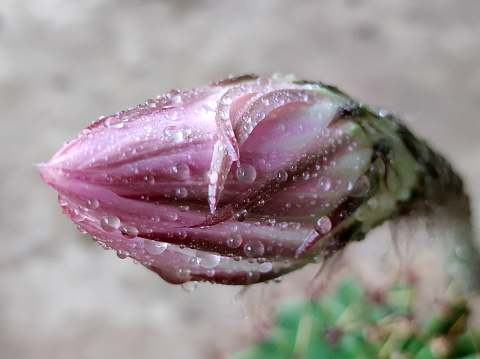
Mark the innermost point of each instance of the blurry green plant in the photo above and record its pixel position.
(354, 323)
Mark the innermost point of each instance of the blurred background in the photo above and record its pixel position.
(64, 63)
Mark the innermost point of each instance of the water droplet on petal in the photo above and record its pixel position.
(361, 187)
(181, 171)
(324, 225)
(154, 247)
(241, 215)
(234, 240)
(181, 192)
(324, 184)
(173, 133)
(246, 173)
(212, 177)
(174, 96)
(266, 267)
(110, 223)
(190, 286)
(122, 254)
(92, 203)
(254, 248)
(208, 260)
(282, 176)
(129, 232)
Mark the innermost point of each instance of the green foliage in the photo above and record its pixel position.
(357, 324)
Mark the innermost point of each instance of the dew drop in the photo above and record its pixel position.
(81, 230)
(173, 133)
(180, 171)
(184, 274)
(150, 179)
(190, 286)
(77, 215)
(173, 217)
(361, 187)
(324, 225)
(122, 254)
(174, 96)
(154, 247)
(372, 203)
(305, 175)
(129, 232)
(254, 248)
(282, 176)
(246, 173)
(241, 215)
(92, 203)
(208, 260)
(110, 223)
(181, 192)
(62, 201)
(265, 267)
(212, 176)
(324, 184)
(234, 240)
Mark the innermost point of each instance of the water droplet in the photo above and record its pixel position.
(151, 103)
(361, 187)
(184, 208)
(184, 273)
(173, 133)
(62, 201)
(150, 179)
(246, 173)
(77, 215)
(129, 232)
(110, 223)
(174, 96)
(324, 184)
(241, 215)
(282, 176)
(181, 192)
(108, 124)
(154, 247)
(266, 267)
(81, 230)
(122, 254)
(324, 225)
(372, 203)
(212, 176)
(182, 233)
(305, 175)
(234, 240)
(180, 171)
(92, 203)
(173, 217)
(208, 260)
(261, 115)
(254, 248)
(190, 286)
(383, 113)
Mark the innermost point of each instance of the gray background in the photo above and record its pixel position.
(63, 63)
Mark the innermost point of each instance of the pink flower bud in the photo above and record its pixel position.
(236, 182)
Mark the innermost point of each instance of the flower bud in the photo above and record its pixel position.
(237, 182)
